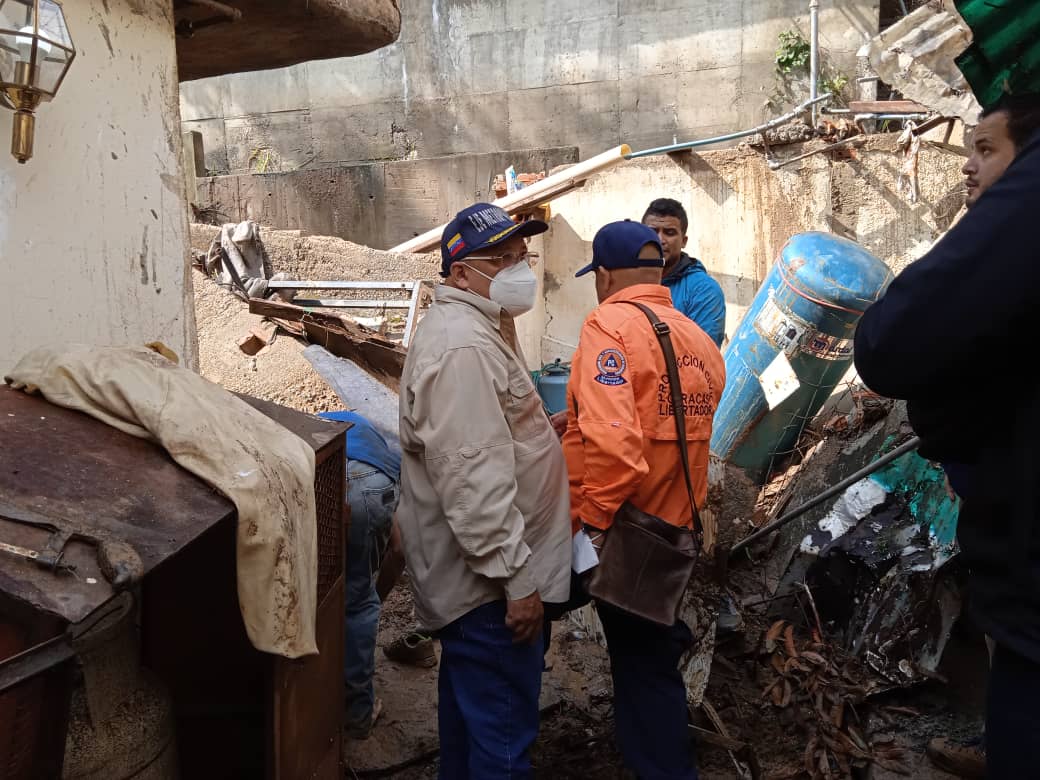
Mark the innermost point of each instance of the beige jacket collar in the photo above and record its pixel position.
(490, 309)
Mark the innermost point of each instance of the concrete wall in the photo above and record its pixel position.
(741, 215)
(485, 75)
(376, 204)
(93, 229)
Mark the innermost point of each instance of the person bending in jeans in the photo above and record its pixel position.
(373, 488)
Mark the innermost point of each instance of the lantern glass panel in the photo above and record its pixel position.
(15, 15)
(52, 24)
(47, 46)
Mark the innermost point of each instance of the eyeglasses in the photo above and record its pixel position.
(509, 259)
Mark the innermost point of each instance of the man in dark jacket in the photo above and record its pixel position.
(694, 292)
(1001, 134)
(950, 336)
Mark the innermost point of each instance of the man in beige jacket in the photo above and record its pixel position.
(484, 510)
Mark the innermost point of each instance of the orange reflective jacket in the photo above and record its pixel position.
(620, 440)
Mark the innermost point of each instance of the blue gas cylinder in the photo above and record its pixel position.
(552, 385)
(807, 310)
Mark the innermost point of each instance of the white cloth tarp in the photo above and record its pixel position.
(246, 253)
(267, 471)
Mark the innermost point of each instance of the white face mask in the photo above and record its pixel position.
(513, 288)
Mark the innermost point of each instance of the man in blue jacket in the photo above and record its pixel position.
(694, 292)
(952, 336)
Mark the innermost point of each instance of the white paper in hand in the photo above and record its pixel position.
(584, 556)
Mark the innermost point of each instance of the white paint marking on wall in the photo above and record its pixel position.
(404, 77)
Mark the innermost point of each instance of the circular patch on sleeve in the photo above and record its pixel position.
(611, 365)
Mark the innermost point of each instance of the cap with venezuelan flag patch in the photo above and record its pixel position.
(480, 226)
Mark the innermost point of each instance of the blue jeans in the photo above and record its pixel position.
(372, 496)
(650, 709)
(487, 697)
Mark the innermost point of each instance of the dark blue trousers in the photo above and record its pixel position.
(488, 697)
(650, 709)
(1012, 717)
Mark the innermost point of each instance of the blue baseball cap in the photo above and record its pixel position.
(480, 226)
(618, 245)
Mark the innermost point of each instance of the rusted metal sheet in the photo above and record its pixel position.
(339, 337)
(60, 464)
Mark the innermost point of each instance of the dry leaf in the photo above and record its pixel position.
(858, 739)
(838, 713)
(843, 765)
(851, 747)
(773, 634)
(810, 751)
(792, 651)
(815, 658)
(769, 689)
(824, 764)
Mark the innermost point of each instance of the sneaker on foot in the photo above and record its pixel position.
(363, 730)
(966, 759)
(414, 649)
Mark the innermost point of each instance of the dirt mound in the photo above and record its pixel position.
(320, 258)
(277, 373)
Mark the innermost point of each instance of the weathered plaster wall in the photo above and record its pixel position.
(93, 229)
(486, 75)
(742, 213)
(378, 204)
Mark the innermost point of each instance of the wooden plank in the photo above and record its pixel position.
(886, 107)
(541, 192)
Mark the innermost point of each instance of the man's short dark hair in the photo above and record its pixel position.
(666, 207)
(1023, 116)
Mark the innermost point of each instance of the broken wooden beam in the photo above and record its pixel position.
(338, 336)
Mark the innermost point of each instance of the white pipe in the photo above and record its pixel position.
(533, 195)
(814, 54)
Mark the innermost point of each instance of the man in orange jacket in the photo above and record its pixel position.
(620, 445)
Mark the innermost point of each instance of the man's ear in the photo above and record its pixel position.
(457, 275)
(685, 238)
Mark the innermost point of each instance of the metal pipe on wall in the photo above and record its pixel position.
(780, 120)
(814, 54)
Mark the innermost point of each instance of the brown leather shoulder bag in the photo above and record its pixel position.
(646, 563)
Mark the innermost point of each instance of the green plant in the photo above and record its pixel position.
(262, 156)
(834, 83)
(792, 53)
